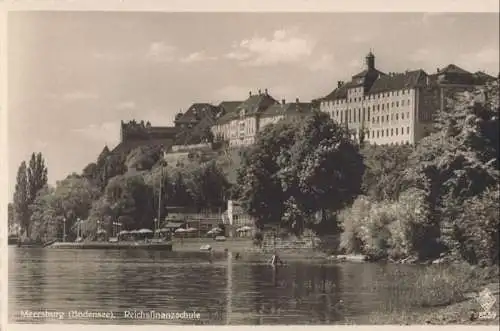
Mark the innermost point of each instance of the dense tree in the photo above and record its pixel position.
(384, 173)
(298, 170)
(457, 162)
(129, 195)
(69, 201)
(259, 187)
(10, 215)
(21, 198)
(143, 157)
(37, 175)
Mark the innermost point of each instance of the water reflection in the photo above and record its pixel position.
(224, 290)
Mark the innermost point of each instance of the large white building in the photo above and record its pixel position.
(395, 107)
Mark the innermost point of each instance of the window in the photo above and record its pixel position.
(382, 119)
(397, 103)
(354, 115)
(392, 104)
(396, 131)
(359, 114)
(378, 133)
(387, 105)
(387, 117)
(402, 130)
(408, 114)
(368, 113)
(382, 106)
(397, 116)
(387, 132)
(402, 102)
(408, 130)
(392, 117)
(402, 116)
(381, 133)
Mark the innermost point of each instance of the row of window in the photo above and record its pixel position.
(369, 97)
(393, 132)
(353, 116)
(380, 119)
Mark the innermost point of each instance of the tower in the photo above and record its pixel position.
(370, 61)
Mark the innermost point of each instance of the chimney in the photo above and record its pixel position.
(339, 83)
(250, 93)
(260, 92)
(265, 91)
(283, 101)
(438, 70)
(297, 100)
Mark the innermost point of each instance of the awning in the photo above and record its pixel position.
(173, 225)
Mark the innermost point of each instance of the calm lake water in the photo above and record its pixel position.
(186, 288)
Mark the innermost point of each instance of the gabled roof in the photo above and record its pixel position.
(196, 134)
(229, 106)
(197, 111)
(453, 69)
(292, 108)
(256, 103)
(340, 92)
(253, 105)
(398, 81)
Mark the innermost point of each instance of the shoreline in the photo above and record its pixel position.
(463, 312)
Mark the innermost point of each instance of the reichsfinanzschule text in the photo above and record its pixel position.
(127, 314)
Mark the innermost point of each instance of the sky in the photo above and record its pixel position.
(73, 76)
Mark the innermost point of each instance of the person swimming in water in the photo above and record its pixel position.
(275, 260)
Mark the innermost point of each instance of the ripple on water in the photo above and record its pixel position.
(245, 291)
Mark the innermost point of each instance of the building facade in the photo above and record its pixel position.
(241, 126)
(394, 108)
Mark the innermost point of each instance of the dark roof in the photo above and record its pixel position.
(292, 108)
(196, 112)
(253, 105)
(256, 103)
(453, 69)
(398, 81)
(229, 111)
(382, 83)
(229, 106)
(196, 134)
(483, 78)
(340, 92)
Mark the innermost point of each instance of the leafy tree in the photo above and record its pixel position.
(457, 162)
(69, 201)
(143, 157)
(477, 229)
(10, 215)
(326, 165)
(46, 216)
(295, 169)
(37, 175)
(384, 172)
(21, 198)
(259, 187)
(129, 195)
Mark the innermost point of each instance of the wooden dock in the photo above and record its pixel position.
(163, 246)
